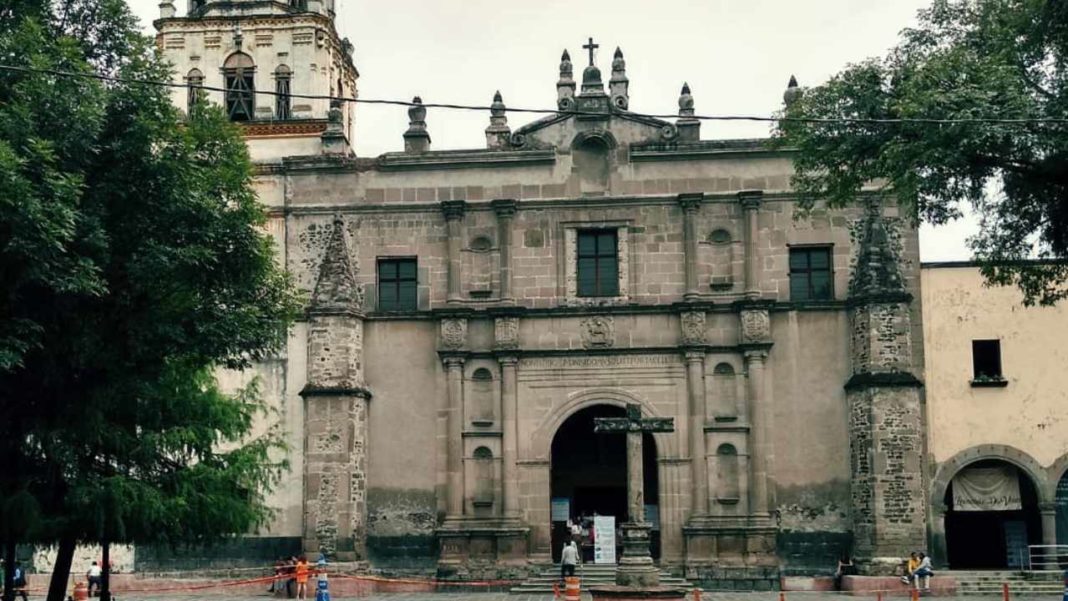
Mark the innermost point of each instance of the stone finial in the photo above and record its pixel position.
(565, 87)
(689, 127)
(416, 139)
(618, 85)
(591, 82)
(336, 288)
(498, 132)
(333, 137)
(793, 93)
(166, 9)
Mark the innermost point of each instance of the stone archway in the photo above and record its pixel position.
(1034, 493)
(536, 469)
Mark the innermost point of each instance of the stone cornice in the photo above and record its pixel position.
(883, 380)
(464, 159)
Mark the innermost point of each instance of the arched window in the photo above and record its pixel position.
(301, 5)
(482, 391)
(195, 5)
(195, 91)
(724, 391)
(728, 488)
(239, 72)
(484, 478)
(282, 76)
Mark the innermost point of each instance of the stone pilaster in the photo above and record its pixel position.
(1049, 522)
(886, 439)
(454, 215)
(758, 418)
(335, 411)
(750, 201)
(509, 433)
(505, 209)
(691, 204)
(695, 386)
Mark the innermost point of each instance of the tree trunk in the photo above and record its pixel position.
(9, 570)
(105, 573)
(57, 588)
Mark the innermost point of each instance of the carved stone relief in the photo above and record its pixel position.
(598, 331)
(506, 332)
(453, 333)
(756, 326)
(693, 327)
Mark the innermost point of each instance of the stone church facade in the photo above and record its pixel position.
(465, 306)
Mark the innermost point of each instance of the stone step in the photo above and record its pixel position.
(591, 575)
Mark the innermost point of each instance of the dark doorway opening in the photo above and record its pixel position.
(993, 540)
(589, 471)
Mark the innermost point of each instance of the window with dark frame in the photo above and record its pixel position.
(810, 273)
(986, 361)
(598, 263)
(282, 108)
(397, 285)
(239, 72)
(195, 82)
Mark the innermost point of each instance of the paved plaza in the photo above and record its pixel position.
(706, 596)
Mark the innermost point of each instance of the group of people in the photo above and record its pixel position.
(291, 575)
(917, 570)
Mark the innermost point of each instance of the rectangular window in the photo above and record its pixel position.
(598, 263)
(810, 274)
(397, 284)
(986, 360)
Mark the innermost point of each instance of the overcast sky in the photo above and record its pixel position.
(737, 56)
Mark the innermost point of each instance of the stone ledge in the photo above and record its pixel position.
(892, 586)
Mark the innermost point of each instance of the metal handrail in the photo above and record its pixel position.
(1046, 557)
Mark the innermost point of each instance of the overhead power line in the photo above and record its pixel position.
(556, 111)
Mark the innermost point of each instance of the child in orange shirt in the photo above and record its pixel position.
(302, 577)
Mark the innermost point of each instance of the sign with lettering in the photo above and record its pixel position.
(560, 509)
(604, 539)
(987, 489)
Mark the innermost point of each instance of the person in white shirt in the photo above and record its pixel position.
(94, 578)
(924, 572)
(569, 558)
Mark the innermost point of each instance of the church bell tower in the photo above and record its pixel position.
(259, 59)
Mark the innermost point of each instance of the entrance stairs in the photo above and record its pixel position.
(989, 582)
(591, 575)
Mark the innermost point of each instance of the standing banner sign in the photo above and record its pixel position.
(987, 489)
(604, 539)
(560, 509)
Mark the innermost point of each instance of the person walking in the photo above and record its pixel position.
(93, 576)
(19, 581)
(569, 558)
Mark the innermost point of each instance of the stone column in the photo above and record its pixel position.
(695, 384)
(690, 204)
(454, 214)
(1049, 522)
(505, 209)
(750, 201)
(509, 432)
(454, 370)
(758, 418)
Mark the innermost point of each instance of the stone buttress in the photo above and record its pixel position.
(886, 436)
(335, 411)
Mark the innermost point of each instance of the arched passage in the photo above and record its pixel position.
(991, 516)
(589, 476)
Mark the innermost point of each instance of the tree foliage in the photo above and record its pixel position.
(966, 59)
(135, 265)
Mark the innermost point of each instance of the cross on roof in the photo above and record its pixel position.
(634, 422)
(591, 47)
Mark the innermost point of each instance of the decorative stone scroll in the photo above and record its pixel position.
(598, 331)
(506, 333)
(756, 326)
(693, 327)
(453, 333)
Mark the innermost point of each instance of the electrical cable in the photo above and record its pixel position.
(558, 111)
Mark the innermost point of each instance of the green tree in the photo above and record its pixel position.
(135, 265)
(965, 60)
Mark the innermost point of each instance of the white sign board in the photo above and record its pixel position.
(987, 489)
(604, 539)
(560, 509)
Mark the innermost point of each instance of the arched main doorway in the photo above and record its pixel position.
(992, 516)
(589, 475)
